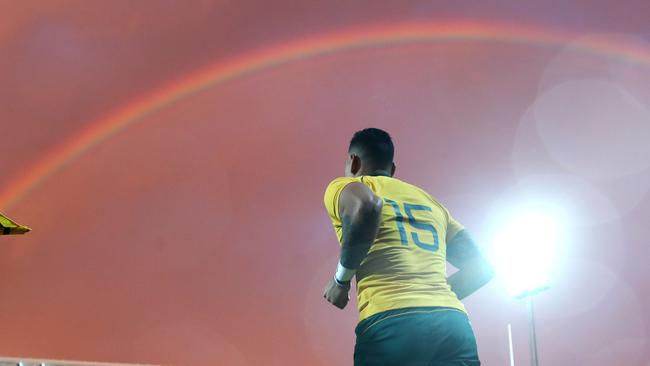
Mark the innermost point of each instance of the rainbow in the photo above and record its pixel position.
(301, 49)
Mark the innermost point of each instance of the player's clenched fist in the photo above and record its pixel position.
(337, 293)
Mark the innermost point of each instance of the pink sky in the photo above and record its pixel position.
(198, 235)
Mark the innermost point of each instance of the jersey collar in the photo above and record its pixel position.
(382, 173)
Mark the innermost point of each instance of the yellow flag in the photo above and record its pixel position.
(9, 227)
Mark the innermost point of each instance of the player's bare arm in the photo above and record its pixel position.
(360, 212)
(474, 271)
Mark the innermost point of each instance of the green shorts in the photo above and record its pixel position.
(423, 336)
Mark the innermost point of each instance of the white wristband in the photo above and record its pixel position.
(344, 274)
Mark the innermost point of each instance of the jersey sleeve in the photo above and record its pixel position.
(453, 226)
(332, 194)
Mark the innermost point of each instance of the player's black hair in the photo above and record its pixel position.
(373, 145)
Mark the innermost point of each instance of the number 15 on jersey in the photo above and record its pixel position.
(416, 225)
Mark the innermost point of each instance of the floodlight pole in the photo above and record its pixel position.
(532, 337)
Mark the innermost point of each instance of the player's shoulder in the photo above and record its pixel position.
(332, 193)
(425, 194)
(336, 185)
(411, 186)
(340, 182)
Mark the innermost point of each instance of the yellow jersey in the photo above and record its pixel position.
(9, 227)
(406, 264)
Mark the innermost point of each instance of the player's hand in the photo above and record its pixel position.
(337, 294)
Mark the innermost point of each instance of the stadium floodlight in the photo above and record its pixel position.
(523, 253)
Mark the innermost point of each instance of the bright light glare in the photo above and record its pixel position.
(523, 251)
